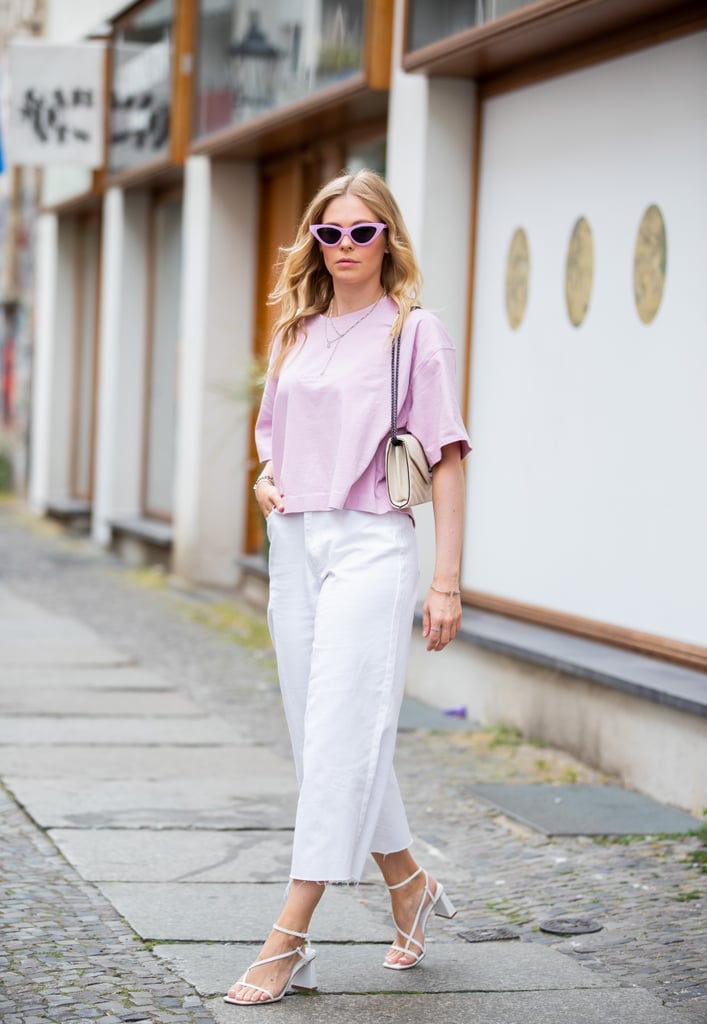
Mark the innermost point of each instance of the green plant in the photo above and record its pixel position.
(5, 473)
(506, 736)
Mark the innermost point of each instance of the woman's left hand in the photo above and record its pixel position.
(441, 619)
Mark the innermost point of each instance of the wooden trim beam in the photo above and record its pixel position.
(341, 107)
(546, 30)
(690, 655)
(378, 43)
(182, 79)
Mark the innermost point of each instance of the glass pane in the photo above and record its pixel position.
(252, 60)
(370, 154)
(430, 20)
(88, 276)
(162, 412)
(141, 87)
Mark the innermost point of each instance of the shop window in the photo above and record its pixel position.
(87, 272)
(141, 86)
(430, 20)
(251, 61)
(369, 154)
(161, 383)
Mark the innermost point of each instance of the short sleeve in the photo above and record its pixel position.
(431, 410)
(264, 422)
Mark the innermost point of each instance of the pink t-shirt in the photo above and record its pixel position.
(325, 420)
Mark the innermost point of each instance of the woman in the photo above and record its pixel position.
(343, 561)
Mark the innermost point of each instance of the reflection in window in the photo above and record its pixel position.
(430, 20)
(141, 86)
(370, 154)
(256, 57)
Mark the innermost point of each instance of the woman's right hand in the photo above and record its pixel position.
(267, 493)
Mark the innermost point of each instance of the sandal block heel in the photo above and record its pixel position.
(306, 976)
(443, 906)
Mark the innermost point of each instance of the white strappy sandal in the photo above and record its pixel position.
(439, 902)
(303, 970)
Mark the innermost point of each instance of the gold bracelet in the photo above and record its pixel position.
(446, 593)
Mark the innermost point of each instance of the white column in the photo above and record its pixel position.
(431, 134)
(217, 317)
(52, 390)
(123, 331)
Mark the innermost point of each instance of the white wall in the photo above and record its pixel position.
(588, 489)
(69, 20)
(213, 442)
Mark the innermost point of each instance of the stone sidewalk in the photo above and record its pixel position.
(146, 820)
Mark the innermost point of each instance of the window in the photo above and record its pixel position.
(253, 61)
(141, 87)
(430, 20)
(87, 267)
(161, 397)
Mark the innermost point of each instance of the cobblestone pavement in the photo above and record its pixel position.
(65, 954)
(70, 957)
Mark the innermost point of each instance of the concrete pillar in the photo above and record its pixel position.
(431, 134)
(52, 391)
(217, 317)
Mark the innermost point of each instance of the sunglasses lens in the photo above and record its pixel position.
(363, 234)
(328, 235)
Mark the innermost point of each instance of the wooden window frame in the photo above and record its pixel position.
(181, 93)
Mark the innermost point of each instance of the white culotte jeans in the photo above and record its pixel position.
(343, 587)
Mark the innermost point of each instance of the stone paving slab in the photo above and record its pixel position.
(582, 809)
(43, 730)
(51, 640)
(178, 855)
(113, 677)
(255, 770)
(175, 803)
(215, 912)
(583, 1007)
(351, 969)
(40, 700)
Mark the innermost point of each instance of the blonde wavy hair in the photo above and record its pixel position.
(304, 287)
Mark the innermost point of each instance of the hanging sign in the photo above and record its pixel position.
(56, 104)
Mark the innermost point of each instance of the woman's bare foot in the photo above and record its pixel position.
(405, 903)
(273, 976)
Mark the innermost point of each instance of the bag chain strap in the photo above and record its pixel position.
(394, 371)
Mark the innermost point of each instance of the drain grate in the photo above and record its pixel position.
(489, 934)
(570, 926)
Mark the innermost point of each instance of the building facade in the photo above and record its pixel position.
(550, 161)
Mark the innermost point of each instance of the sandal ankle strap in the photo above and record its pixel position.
(401, 884)
(287, 931)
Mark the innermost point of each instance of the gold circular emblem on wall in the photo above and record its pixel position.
(517, 278)
(649, 263)
(579, 271)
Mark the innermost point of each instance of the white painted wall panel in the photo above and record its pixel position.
(588, 490)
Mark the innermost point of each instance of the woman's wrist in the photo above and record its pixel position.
(261, 478)
(451, 592)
